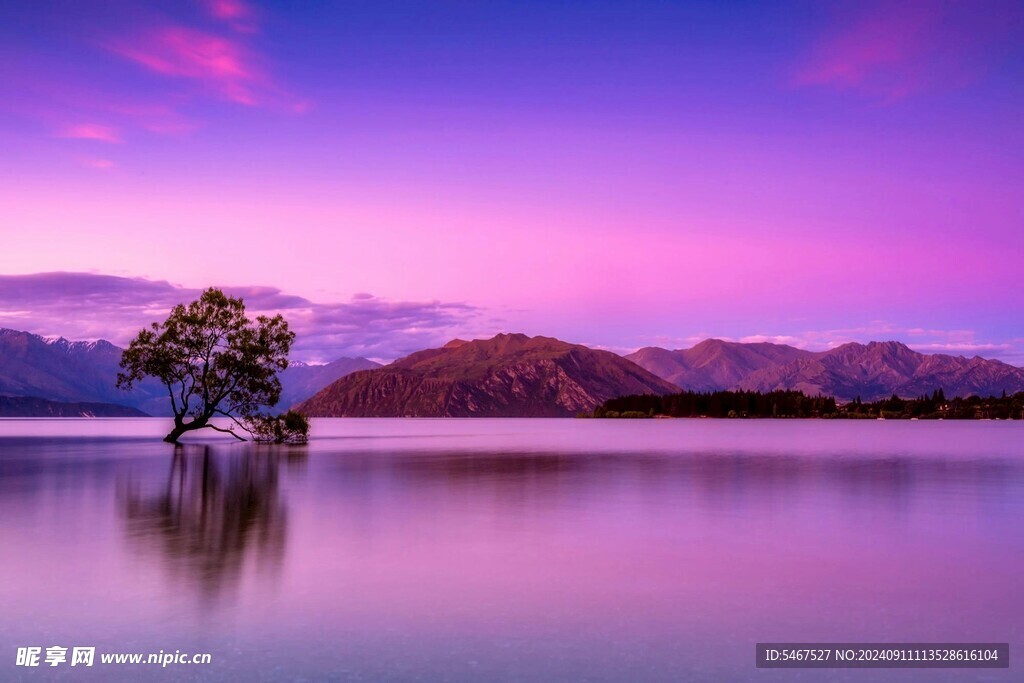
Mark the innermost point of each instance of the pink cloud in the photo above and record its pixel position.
(153, 117)
(100, 164)
(873, 53)
(90, 131)
(221, 64)
(51, 100)
(236, 13)
(195, 62)
(773, 339)
(893, 50)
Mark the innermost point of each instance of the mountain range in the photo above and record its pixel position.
(510, 375)
(302, 380)
(62, 371)
(713, 364)
(56, 369)
(871, 371)
(31, 406)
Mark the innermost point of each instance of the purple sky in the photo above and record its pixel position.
(617, 174)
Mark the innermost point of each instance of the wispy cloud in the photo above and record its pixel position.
(787, 339)
(237, 14)
(95, 306)
(90, 131)
(222, 65)
(171, 68)
(88, 111)
(100, 164)
(891, 50)
(152, 117)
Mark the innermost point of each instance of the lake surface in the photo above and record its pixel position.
(510, 550)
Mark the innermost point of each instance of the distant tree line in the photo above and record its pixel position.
(935, 406)
(719, 404)
(796, 404)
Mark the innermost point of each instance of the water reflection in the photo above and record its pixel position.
(523, 550)
(215, 513)
(705, 481)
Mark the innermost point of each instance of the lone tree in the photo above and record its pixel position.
(217, 363)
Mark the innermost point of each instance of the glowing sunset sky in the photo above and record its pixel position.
(618, 174)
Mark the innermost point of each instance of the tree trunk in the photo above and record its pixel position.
(180, 427)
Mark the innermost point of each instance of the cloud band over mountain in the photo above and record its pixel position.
(94, 306)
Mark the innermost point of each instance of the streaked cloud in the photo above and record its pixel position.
(91, 306)
(237, 14)
(94, 306)
(219, 64)
(891, 50)
(90, 131)
(152, 117)
(787, 339)
(90, 111)
(169, 67)
(101, 164)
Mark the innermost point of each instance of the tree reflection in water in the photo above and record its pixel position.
(219, 518)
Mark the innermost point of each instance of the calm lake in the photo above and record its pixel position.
(510, 550)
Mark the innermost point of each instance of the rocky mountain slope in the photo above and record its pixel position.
(510, 375)
(872, 371)
(880, 369)
(714, 364)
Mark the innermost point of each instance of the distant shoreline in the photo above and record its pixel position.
(797, 405)
(828, 418)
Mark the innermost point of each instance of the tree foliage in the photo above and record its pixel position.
(214, 361)
(937, 406)
(289, 427)
(797, 404)
(719, 404)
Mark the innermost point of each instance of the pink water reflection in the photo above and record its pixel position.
(402, 550)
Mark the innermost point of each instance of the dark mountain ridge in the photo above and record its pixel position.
(33, 406)
(509, 375)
